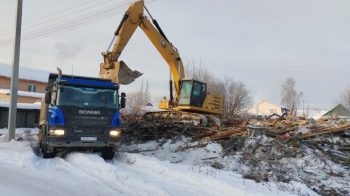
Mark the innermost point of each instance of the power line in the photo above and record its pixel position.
(71, 23)
(61, 18)
(57, 27)
(56, 15)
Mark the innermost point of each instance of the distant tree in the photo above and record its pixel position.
(138, 99)
(201, 73)
(236, 97)
(290, 98)
(345, 97)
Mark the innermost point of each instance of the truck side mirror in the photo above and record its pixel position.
(48, 97)
(122, 100)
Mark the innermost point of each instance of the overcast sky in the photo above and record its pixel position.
(260, 42)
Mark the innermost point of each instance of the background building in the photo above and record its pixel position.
(31, 88)
(265, 108)
(31, 84)
(339, 111)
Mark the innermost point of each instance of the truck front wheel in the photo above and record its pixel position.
(107, 153)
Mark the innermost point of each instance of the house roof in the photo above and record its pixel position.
(265, 101)
(25, 73)
(23, 93)
(22, 105)
(338, 110)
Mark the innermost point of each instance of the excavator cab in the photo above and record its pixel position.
(192, 93)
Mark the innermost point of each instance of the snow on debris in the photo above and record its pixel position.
(25, 73)
(261, 159)
(205, 157)
(24, 173)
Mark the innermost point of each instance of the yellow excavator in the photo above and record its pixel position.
(192, 100)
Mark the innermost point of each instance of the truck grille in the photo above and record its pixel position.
(89, 121)
(86, 131)
(102, 117)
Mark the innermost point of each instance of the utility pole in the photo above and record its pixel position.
(14, 74)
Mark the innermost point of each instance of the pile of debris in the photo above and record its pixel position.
(266, 159)
(282, 150)
(140, 131)
(329, 134)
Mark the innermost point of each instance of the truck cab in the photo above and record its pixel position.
(80, 113)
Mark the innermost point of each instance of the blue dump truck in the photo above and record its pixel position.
(80, 113)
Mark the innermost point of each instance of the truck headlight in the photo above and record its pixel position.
(115, 132)
(56, 132)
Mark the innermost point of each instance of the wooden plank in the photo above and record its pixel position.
(327, 130)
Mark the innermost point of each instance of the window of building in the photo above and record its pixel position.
(31, 88)
(272, 111)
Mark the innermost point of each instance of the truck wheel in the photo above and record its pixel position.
(47, 154)
(107, 153)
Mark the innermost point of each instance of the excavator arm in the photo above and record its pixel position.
(193, 99)
(134, 17)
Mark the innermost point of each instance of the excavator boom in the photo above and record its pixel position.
(191, 96)
(133, 18)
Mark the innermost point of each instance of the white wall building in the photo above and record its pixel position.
(265, 108)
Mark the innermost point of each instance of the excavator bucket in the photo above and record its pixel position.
(119, 73)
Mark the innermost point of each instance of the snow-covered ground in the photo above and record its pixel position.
(22, 172)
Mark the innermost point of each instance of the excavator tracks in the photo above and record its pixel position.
(183, 117)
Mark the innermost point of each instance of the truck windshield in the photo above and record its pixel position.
(87, 97)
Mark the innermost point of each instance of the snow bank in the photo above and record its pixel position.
(28, 134)
(206, 158)
(24, 173)
(312, 113)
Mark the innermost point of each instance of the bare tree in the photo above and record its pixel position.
(236, 99)
(289, 96)
(138, 99)
(201, 73)
(345, 97)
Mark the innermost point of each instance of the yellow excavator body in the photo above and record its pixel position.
(190, 95)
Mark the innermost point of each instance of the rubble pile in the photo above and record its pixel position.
(281, 150)
(266, 159)
(142, 131)
(331, 135)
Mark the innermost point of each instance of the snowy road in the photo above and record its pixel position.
(23, 173)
